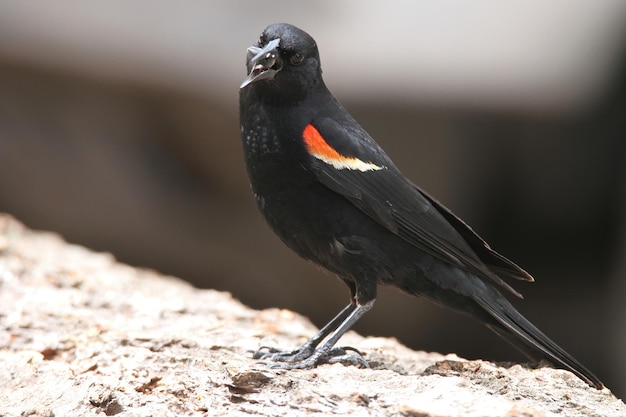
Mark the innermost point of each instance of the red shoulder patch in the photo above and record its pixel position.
(316, 145)
(320, 149)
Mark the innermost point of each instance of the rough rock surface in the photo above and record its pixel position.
(81, 335)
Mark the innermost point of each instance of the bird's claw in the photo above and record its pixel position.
(273, 354)
(270, 352)
(307, 358)
(349, 359)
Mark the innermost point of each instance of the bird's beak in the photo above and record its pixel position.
(263, 64)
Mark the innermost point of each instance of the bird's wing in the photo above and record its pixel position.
(349, 162)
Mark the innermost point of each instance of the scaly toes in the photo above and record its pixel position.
(308, 358)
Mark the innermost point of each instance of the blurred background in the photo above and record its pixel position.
(119, 130)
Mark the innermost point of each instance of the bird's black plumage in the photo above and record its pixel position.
(333, 196)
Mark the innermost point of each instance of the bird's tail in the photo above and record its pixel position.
(515, 328)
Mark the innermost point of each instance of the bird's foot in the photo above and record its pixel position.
(307, 357)
(272, 354)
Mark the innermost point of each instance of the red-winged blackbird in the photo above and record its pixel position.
(334, 197)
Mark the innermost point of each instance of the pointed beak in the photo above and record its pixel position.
(263, 63)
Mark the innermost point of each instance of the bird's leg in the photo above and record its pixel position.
(309, 356)
(276, 355)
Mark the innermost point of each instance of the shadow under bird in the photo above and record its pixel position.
(333, 196)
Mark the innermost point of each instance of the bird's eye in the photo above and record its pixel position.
(296, 59)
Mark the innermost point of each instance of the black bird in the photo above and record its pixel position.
(333, 196)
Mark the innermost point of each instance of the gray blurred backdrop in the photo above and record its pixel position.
(119, 130)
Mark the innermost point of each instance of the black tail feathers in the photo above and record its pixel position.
(515, 328)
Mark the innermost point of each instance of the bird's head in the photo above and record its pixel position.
(284, 58)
